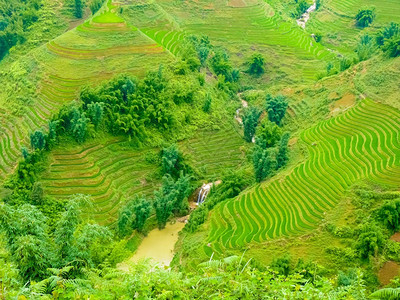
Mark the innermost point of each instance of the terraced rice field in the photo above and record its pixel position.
(363, 143)
(86, 55)
(335, 21)
(214, 152)
(109, 172)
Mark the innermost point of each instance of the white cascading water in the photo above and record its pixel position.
(204, 190)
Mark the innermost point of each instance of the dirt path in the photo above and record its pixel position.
(244, 105)
(306, 16)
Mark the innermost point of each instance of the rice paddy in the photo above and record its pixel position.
(362, 143)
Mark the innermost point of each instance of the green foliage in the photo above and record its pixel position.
(276, 108)
(389, 214)
(95, 5)
(370, 241)
(301, 8)
(256, 64)
(134, 215)
(344, 63)
(365, 17)
(267, 134)
(37, 193)
(207, 103)
(390, 31)
(95, 113)
(387, 294)
(78, 12)
(282, 156)
(264, 162)
(281, 265)
(202, 46)
(365, 47)
(38, 140)
(250, 121)
(347, 278)
(392, 46)
(172, 162)
(222, 66)
(79, 126)
(318, 4)
(171, 198)
(16, 17)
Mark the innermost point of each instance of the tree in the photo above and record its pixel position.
(276, 108)
(65, 229)
(163, 204)
(283, 150)
(389, 214)
(264, 163)
(256, 64)
(221, 65)
(370, 241)
(365, 47)
(32, 256)
(171, 198)
(95, 113)
(393, 29)
(134, 215)
(79, 125)
(78, 9)
(95, 5)
(250, 121)
(52, 136)
(38, 140)
(172, 161)
(392, 46)
(267, 134)
(365, 17)
(37, 193)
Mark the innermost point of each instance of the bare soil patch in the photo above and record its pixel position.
(236, 3)
(343, 104)
(388, 271)
(396, 237)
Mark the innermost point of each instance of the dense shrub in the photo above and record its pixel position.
(276, 108)
(256, 64)
(365, 17)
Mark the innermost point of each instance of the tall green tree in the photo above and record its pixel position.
(134, 215)
(276, 108)
(267, 134)
(250, 121)
(264, 163)
(78, 9)
(389, 214)
(95, 113)
(172, 162)
(282, 156)
(38, 140)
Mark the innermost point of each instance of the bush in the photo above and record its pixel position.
(365, 17)
(256, 64)
(276, 108)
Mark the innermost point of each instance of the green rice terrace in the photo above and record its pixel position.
(198, 149)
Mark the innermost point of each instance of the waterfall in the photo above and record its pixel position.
(204, 190)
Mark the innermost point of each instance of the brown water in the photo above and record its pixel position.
(158, 245)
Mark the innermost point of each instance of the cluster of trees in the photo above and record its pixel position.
(15, 19)
(271, 149)
(170, 199)
(71, 240)
(387, 40)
